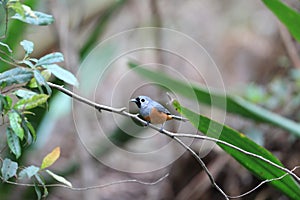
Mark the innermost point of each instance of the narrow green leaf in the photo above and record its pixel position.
(31, 129)
(45, 73)
(37, 191)
(27, 46)
(28, 63)
(289, 17)
(39, 77)
(50, 59)
(260, 168)
(15, 121)
(28, 172)
(27, 132)
(16, 75)
(9, 169)
(42, 182)
(41, 81)
(32, 102)
(62, 74)
(230, 103)
(101, 25)
(59, 178)
(37, 18)
(24, 94)
(5, 103)
(13, 142)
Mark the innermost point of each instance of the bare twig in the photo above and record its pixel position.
(176, 136)
(289, 45)
(261, 183)
(239, 149)
(91, 187)
(8, 62)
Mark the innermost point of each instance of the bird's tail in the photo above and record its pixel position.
(179, 118)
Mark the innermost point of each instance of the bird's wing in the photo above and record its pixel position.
(160, 108)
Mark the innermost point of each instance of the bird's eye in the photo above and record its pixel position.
(142, 100)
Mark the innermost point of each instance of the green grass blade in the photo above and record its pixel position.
(258, 167)
(100, 27)
(230, 103)
(289, 17)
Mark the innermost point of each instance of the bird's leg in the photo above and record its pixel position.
(147, 123)
(162, 127)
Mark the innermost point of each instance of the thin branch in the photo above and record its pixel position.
(289, 45)
(239, 149)
(8, 62)
(91, 187)
(176, 136)
(199, 160)
(86, 101)
(261, 183)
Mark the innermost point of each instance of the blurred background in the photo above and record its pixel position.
(244, 51)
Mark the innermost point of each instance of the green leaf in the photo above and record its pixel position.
(37, 191)
(51, 158)
(230, 103)
(28, 63)
(50, 59)
(42, 182)
(39, 77)
(16, 75)
(260, 168)
(27, 46)
(5, 103)
(37, 18)
(41, 80)
(62, 74)
(24, 94)
(13, 142)
(59, 178)
(31, 129)
(32, 102)
(15, 121)
(28, 172)
(45, 73)
(17, 7)
(289, 17)
(9, 169)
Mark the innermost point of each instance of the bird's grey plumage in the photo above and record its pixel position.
(146, 104)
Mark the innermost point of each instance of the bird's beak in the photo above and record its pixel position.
(133, 100)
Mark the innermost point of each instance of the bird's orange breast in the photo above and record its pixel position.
(157, 117)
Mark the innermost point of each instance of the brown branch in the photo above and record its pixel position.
(289, 45)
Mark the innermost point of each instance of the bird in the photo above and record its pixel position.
(153, 112)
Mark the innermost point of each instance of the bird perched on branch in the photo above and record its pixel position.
(153, 112)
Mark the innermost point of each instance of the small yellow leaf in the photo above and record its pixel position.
(50, 158)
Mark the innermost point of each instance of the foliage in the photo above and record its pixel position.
(23, 88)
